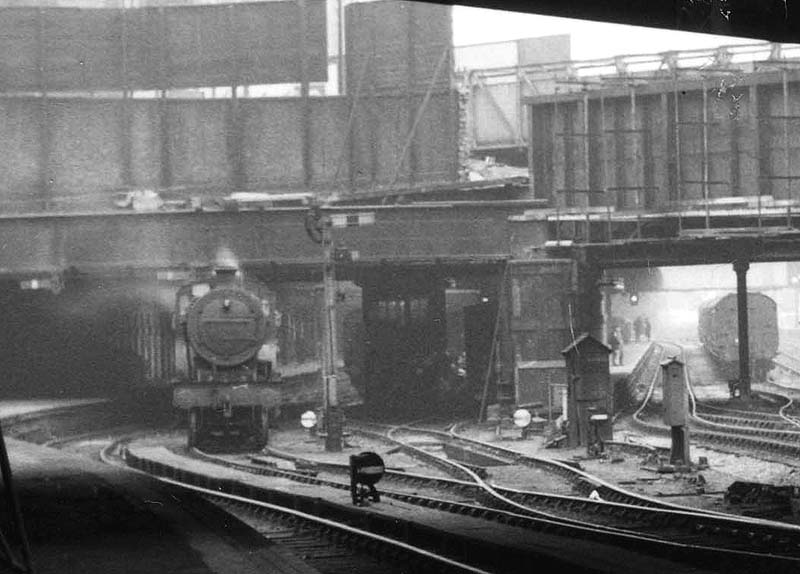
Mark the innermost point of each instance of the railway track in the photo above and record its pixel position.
(644, 515)
(775, 433)
(699, 536)
(330, 545)
(775, 549)
(473, 550)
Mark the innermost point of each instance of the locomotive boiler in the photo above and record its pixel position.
(718, 329)
(229, 328)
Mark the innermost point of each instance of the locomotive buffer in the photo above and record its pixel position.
(319, 228)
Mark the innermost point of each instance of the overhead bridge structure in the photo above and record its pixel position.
(695, 161)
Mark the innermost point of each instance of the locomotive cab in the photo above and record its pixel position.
(229, 331)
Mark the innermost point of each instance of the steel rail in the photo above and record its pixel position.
(518, 515)
(673, 515)
(737, 435)
(243, 495)
(583, 506)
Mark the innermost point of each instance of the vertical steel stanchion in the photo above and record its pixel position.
(333, 420)
(741, 266)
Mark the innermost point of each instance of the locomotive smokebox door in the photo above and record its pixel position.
(588, 387)
(366, 469)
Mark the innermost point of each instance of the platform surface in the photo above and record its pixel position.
(631, 353)
(14, 408)
(84, 516)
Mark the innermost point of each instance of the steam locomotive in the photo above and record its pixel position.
(718, 328)
(229, 328)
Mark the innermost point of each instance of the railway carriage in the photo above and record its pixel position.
(718, 329)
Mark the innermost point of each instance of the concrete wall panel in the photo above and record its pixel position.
(436, 148)
(85, 160)
(773, 143)
(752, 131)
(542, 118)
(19, 148)
(655, 150)
(380, 31)
(87, 48)
(433, 38)
(720, 145)
(145, 144)
(272, 143)
(198, 143)
(744, 129)
(329, 141)
(496, 119)
(559, 149)
(392, 130)
(18, 49)
(364, 141)
(89, 157)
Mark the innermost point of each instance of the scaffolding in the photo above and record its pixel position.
(691, 198)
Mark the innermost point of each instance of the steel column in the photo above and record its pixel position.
(740, 266)
(705, 155)
(333, 421)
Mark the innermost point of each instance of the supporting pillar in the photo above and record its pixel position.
(741, 266)
(333, 417)
(588, 314)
